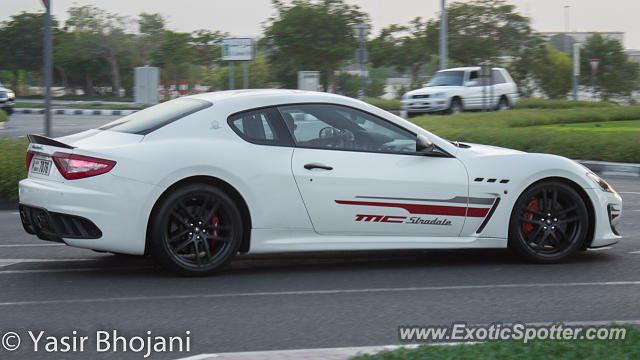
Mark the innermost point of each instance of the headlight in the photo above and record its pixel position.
(603, 184)
(11, 95)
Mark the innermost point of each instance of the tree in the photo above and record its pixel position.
(617, 76)
(259, 74)
(553, 72)
(310, 35)
(104, 35)
(406, 48)
(481, 30)
(22, 44)
(173, 55)
(151, 28)
(205, 45)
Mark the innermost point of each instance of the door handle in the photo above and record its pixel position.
(317, 166)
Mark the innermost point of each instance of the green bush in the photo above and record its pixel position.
(385, 104)
(12, 166)
(527, 130)
(540, 103)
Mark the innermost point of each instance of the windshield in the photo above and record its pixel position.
(155, 117)
(447, 78)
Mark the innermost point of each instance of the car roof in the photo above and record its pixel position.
(275, 96)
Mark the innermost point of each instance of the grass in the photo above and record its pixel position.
(12, 166)
(96, 106)
(557, 131)
(539, 103)
(557, 350)
(3, 116)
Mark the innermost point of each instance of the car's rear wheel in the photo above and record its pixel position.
(503, 104)
(196, 230)
(549, 222)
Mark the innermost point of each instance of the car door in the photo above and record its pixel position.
(361, 175)
(473, 94)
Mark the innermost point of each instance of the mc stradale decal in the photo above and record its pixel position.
(402, 220)
(457, 206)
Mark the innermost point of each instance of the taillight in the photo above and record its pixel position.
(28, 159)
(73, 166)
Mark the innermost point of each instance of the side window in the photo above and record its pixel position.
(498, 78)
(337, 127)
(260, 126)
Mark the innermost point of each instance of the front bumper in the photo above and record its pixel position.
(424, 105)
(608, 210)
(118, 208)
(7, 105)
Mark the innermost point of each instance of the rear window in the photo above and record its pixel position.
(155, 117)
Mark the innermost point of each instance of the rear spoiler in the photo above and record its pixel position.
(43, 140)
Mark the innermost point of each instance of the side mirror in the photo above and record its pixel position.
(471, 83)
(423, 144)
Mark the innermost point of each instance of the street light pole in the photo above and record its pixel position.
(443, 36)
(48, 68)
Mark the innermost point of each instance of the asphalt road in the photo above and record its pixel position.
(20, 125)
(305, 301)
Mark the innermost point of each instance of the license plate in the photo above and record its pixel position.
(41, 166)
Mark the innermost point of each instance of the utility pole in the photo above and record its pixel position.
(576, 70)
(362, 56)
(565, 38)
(232, 76)
(48, 68)
(443, 36)
(245, 74)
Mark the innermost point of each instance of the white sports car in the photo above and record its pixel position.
(196, 180)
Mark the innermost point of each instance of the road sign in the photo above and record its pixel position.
(594, 65)
(238, 49)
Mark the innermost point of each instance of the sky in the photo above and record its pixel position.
(247, 17)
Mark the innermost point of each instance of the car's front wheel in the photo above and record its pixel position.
(549, 222)
(196, 230)
(456, 106)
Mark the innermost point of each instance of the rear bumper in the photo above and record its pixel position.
(117, 208)
(54, 226)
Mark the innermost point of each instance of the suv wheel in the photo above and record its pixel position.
(456, 106)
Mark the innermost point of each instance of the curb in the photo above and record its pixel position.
(612, 168)
(75, 111)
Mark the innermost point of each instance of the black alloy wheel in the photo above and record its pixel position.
(549, 222)
(196, 230)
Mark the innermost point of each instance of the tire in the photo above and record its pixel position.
(455, 107)
(549, 223)
(196, 230)
(503, 104)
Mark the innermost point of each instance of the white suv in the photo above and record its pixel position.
(459, 89)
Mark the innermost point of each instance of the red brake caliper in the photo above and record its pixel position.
(526, 227)
(215, 221)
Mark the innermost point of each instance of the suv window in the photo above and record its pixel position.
(155, 117)
(260, 126)
(337, 127)
(498, 78)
